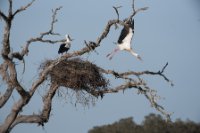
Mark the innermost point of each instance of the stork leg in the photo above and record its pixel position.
(135, 54)
(110, 55)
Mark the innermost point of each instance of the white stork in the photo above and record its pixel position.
(124, 41)
(64, 47)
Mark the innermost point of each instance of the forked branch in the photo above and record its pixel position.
(9, 73)
(23, 8)
(25, 50)
(147, 72)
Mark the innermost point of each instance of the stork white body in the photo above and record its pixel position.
(124, 42)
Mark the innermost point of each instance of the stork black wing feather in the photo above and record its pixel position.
(132, 25)
(62, 48)
(123, 34)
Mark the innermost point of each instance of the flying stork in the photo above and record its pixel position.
(124, 41)
(64, 47)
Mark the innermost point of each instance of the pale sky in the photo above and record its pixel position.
(169, 31)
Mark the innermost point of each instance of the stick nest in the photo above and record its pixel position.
(77, 74)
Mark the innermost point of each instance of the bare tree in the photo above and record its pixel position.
(51, 71)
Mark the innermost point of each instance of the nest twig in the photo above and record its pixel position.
(77, 74)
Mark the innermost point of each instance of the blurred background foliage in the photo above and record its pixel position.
(151, 124)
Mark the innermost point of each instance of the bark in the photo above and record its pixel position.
(9, 73)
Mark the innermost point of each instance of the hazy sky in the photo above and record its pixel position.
(169, 31)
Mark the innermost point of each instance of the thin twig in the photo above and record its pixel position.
(133, 5)
(23, 8)
(116, 10)
(43, 34)
(53, 21)
(124, 74)
(3, 16)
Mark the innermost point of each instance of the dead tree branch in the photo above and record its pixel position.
(25, 50)
(44, 115)
(147, 72)
(5, 77)
(51, 32)
(135, 11)
(23, 8)
(5, 97)
(116, 10)
(2, 15)
(103, 35)
(140, 85)
(9, 73)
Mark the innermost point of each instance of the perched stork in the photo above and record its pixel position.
(64, 47)
(124, 41)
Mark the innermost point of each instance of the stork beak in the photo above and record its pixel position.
(70, 38)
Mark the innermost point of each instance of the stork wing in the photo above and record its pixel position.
(132, 25)
(62, 46)
(123, 34)
(125, 31)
